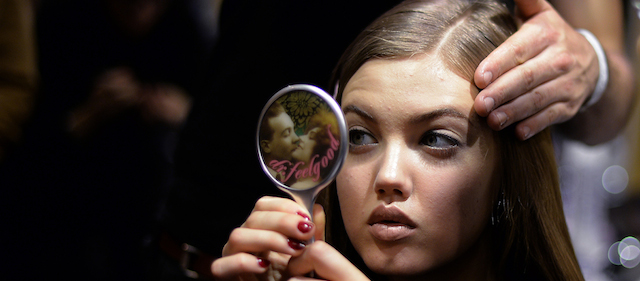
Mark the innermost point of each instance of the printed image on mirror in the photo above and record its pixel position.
(298, 139)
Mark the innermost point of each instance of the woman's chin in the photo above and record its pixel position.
(396, 267)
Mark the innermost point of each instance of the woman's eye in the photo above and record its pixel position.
(360, 137)
(438, 141)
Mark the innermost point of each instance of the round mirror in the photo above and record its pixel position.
(301, 140)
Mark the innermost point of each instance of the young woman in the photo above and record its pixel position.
(428, 191)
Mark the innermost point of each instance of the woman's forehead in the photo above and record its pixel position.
(418, 82)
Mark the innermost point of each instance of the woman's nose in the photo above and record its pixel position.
(393, 182)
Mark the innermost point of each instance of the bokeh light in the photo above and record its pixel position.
(615, 179)
(625, 252)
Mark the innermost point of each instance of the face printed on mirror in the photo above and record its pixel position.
(307, 145)
(285, 141)
(415, 190)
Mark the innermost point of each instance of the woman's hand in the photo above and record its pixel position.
(276, 230)
(326, 263)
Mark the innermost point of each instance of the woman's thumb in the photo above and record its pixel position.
(319, 219)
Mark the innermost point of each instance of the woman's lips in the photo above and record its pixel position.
(389, 223)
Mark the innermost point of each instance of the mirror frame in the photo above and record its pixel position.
(342, 127)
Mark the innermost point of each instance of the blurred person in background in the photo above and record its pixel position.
(82, 188)
(18, 70)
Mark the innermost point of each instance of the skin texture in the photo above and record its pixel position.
(432, 160)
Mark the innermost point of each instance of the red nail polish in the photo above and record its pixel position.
(263, 262)
(304, 216)
(305, 227)
(295, 244)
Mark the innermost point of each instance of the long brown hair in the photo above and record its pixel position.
(529, 232)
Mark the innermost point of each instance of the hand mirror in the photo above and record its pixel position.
(302, 141)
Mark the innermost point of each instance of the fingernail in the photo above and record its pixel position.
(502, 118)
(263, 262)
(304, 227)
(304, 216)
(487, 76)
(527, 133)
(295, 244)
(489, 103)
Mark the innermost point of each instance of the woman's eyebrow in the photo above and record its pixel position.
(358, 111)
(448, 112)
(421, 118)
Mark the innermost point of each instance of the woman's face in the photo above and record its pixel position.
(415, 190)
(306, 147)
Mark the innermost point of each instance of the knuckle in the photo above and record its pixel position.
(245, 262)
(551, 116)
(236, 237)
(549, 33)
(538, 100)
(554, 115)
(317, 250)
(569, 86)
(518, 53)
(250, 222)
(568, 110)
(529, 78)
(262, 203)
(563, 62)
(573, 105)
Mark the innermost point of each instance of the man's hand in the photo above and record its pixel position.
(540, 76)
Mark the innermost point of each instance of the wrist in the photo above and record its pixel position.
(603, 78)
